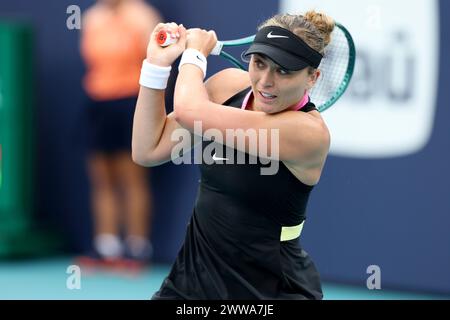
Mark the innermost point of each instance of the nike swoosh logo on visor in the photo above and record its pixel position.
(270, 36)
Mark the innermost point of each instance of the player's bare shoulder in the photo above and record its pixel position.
(226, 83)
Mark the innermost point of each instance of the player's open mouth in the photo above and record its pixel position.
(267, 96)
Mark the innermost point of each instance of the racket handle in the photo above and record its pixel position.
(217, 49)
(164, 39)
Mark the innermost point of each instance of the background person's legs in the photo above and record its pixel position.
(136, 201)
(121, 196)
(105, 206)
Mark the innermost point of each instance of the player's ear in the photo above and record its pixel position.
(312, 78)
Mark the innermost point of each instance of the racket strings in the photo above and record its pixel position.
(334, 71)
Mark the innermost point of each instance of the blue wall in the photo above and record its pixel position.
(363, 212)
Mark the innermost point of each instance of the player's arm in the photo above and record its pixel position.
(153, 129)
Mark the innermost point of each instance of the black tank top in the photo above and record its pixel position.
(232, 248)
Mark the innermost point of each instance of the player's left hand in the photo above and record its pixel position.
(201, 40)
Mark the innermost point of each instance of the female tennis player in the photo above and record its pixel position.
(242, 241)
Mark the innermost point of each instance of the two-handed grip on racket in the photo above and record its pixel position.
(164, 39)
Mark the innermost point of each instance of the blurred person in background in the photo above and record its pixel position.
(114, 38)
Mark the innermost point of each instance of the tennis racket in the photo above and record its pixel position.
(336, 66)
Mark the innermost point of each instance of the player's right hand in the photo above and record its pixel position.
(165, 56)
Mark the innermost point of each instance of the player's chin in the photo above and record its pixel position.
(271, 109)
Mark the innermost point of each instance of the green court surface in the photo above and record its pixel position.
(47, 279)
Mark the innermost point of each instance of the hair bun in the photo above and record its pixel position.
(322, 22)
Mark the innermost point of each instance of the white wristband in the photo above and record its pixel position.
(195, 57)
(153, 76)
